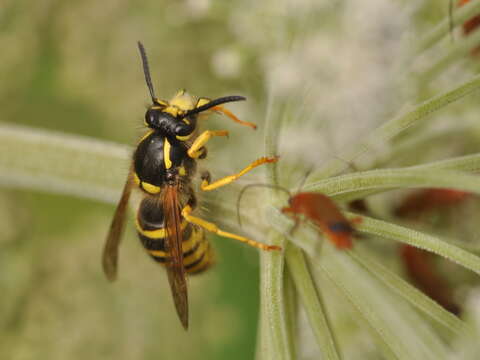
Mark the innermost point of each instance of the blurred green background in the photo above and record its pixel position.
(73, 67)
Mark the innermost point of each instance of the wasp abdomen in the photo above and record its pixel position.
(150, 224)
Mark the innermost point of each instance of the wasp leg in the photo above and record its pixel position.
(207, 186)
(214, 229)
(195, 150)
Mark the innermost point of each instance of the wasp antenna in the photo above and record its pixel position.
(146, 70)
(246, 187)
(213, 103)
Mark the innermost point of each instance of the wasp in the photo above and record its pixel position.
(317, 208)
(163, 166)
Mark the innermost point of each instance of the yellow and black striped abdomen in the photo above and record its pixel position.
(197, 252)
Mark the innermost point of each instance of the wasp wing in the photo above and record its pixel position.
(173, 248)
(110, 250)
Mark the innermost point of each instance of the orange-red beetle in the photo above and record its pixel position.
(324, 213)
(317, 208)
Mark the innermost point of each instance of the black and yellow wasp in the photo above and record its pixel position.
(164, 163)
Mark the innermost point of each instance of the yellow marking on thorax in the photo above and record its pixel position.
(182, 171)
(156, 234)
(148, 133)
(184, 138)
(166, 154)
(150, 188)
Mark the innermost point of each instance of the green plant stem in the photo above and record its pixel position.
(468, 163)
(396, 178)
(312, 302)
(418, 239)
(275, 340)
(277, 336)
(62, 163)
(291, 308)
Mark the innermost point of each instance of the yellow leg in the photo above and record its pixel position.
(233, 117)
(214, 229)
(207, 186)
(201, 140)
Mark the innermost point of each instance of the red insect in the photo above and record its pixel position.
(320, 210)
(425, 200)
(423, 274)
(323, 212)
